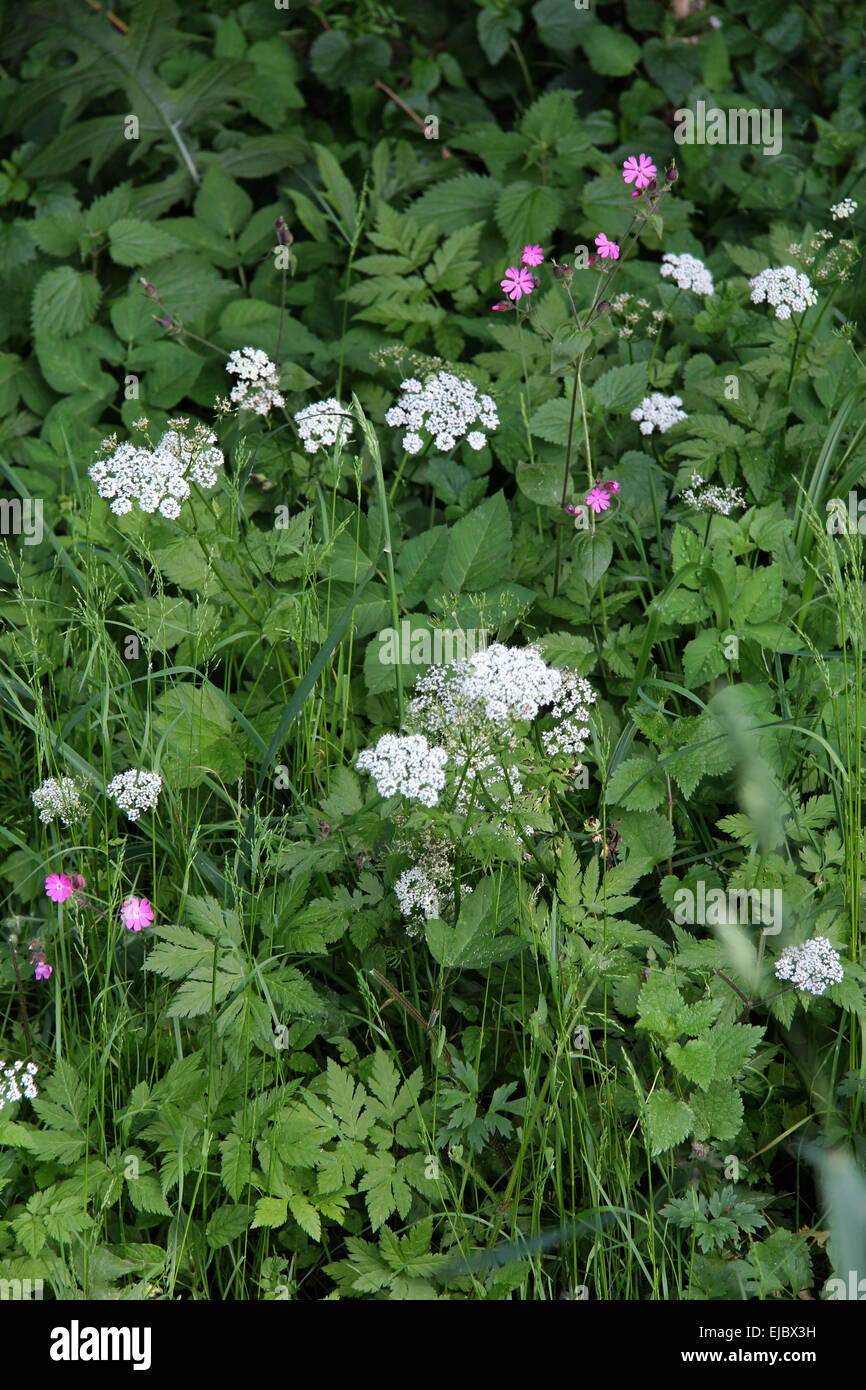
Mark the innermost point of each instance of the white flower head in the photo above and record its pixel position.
(17, 1082)
(447, 407)
(160, 476)
(134, 791)
(688, 272)
(258, 385)
(658, 412)
(811, 967)
(58, 798)
(845, 209)
(408, 764)
(785, 289)
(323, 424)
(722, 500)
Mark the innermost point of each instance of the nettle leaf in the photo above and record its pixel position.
(667, 1121)
(638, 785)
(479, 547)
(457, 202)
(718, 1111)
(620, 389)
(222, 204)
(610, 52)
(551, 421)
(703, 658)
(695, 1059)
(495, 30)
(65, 302)
(133, 242)
(526, 211)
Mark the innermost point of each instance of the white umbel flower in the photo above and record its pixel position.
(323, 424)
(417, 894)
(408, 764)
(811, 967)
(846, 208)
(722, 500)
(258, 385)
(134, 791)
(447, 407)
(158, 479)
(658, 412)
(785, 289)
(571, 711)
(17, 1082)
(688, 272)
(58, 798)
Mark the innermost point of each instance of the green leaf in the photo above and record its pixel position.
(133, 242)
(551, 421)
(480, 937)
(703, 658)
(592, 555)
(610, 52)
(419, 563)
(637, 784)
(494, 32)
(479, 547)
(620, 389)
(718, 1111)
(227, 1224)
(64, 302)
(457, 202)
(667, 1122)
(695, 1059)
(526, 211)
(271, 1211)
(222, 204)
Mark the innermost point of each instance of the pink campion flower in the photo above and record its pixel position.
(58, 888)
(532, 255)
(612, 486)
(43, 970)
(639, 170)
(599, 499)
(136, 913)
(503, 304)
(517, 282)
(607, 249)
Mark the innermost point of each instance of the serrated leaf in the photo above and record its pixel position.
(718, 1111)
(64, 302)
(479, 547)
(133, 242)
(667, 1122)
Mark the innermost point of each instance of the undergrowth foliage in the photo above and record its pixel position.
(335, 337)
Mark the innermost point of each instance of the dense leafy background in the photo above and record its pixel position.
(174, 1149)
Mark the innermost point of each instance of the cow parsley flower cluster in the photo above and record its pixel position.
(722, 500)
(323, 424)
(408, 764)
(571, 711)
(134, 791)
(16, 1081)
(58, 798)
(688, 272)
(811, 967)
(658, 412)
(785, 289)
(846, 208)
(158, 479)
(416, 894)
(445, 406)
(258, 385)
(472, 706)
